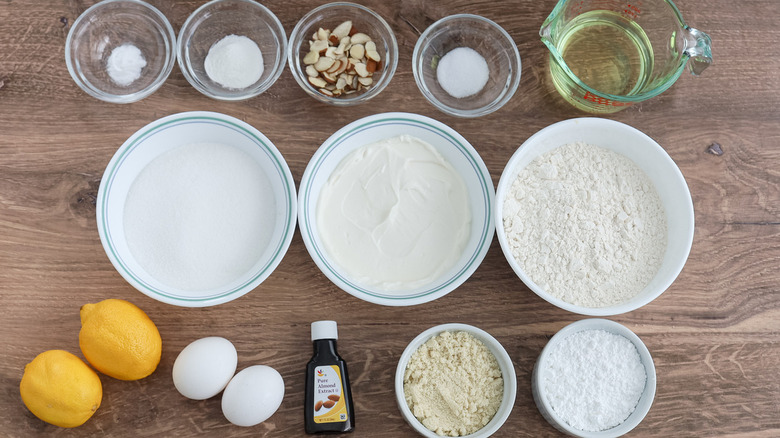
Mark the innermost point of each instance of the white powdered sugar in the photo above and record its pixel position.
(594, 379)
(586, 224)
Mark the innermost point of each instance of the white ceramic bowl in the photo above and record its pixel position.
(504, 362)
(645, 400)
(162, 136)
(651, 158)
(453, 147)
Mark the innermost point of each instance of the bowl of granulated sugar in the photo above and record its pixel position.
(594, 216)
(455, 380)
(196, 209)
(466, 65)
(594, 379)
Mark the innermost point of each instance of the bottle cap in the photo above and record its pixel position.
(324, 330)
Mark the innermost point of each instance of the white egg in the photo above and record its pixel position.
(204, 367)
(253, 395)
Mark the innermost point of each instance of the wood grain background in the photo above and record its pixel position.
(714, 335)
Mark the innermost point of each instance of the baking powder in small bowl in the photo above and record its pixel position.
(595, 378)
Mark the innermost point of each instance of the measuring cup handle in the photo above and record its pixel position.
(698, 46)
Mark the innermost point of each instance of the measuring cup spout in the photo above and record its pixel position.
(698, 46)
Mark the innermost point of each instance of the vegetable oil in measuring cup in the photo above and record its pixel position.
(606, 51)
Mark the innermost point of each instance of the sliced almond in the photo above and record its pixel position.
(343, 63)
(326, 92)
(317, 82)
(359, 38)
(330, 52)
(360, 69)
(311, 58)
(319, 46)
(324, 63)
(341, 83)
(323, 34)
(334, 68)
(311, 71)
(342, 29)
(371, 66)
(366, 81)
(373, 55)
(329, 78)
(357, 51)
(370, 46)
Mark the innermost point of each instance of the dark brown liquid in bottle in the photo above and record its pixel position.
(318, 385)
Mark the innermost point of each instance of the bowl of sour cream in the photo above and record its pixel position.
(396, 209)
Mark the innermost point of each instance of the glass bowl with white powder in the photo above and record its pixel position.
(594, 216)
(231, 49)
(196, 209)
(396, 209)
(120, 51)
(455, 380)
(466, 65)
(594, 379)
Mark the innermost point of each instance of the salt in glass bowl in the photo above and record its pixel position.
(542, 364)
(485, 37)
(164, 135)
(108, 25)
(364, 20)
(217, 19)
(645, 153)
(504, 362)
(452, 147)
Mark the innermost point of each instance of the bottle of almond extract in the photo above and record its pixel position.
(328, 406)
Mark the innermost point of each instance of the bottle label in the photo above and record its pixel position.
(329, 403)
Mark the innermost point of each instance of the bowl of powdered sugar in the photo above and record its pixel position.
(455, 380)
(232, 49)
(196, 209)
(594, 379)
(120, 51)
(594, 216)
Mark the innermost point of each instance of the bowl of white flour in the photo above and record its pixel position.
(196, 209)
(594, 379)
(594, 216)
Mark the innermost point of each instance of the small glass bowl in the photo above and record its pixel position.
(364, 20)
(218, 19)
(486, 38)
(108, 25)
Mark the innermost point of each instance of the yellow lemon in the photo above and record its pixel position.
(59, 388)
(119, 339)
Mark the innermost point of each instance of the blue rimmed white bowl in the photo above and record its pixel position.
(453, 147)
(164, 135)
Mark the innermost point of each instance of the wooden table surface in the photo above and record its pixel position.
(714, 334)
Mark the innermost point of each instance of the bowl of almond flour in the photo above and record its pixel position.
(594, 216)
(196, 209)
(455, 380)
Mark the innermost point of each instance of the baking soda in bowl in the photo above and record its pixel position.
(199, 216)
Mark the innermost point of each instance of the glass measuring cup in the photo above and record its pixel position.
(606, 55)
